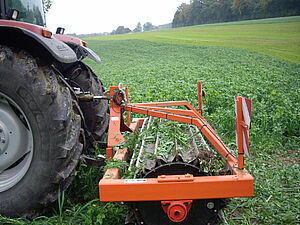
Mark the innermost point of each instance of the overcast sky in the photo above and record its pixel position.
(97, 16)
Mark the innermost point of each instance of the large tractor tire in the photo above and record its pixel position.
(96, 112)
(39, 134)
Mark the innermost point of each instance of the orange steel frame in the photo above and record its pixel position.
(171, 187)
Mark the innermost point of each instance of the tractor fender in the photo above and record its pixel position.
(33, 41)
(79, 46)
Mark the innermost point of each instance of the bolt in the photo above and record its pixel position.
(210, 205)
(177, 213)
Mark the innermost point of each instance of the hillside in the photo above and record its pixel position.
(278, 37)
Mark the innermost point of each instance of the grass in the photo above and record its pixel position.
(278, 37)
(164, 72)
(157, 71)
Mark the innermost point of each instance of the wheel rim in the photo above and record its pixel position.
(16, 143)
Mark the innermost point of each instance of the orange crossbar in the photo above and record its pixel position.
(175, 187)
(151, 189)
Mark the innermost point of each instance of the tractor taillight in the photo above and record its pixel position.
(83, 43)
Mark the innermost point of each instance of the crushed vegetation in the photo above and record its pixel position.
(165, 142)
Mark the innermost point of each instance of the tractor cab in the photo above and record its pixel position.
(29, 11)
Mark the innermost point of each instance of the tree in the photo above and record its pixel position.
(138, 28)
(242, 8)
(149, 26)
(122, 30)
(47, 5)
(179, 20)
(215, 11)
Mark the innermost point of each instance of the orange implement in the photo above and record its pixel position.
(170, 187)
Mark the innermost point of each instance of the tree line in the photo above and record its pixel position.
(148, 26)
(215, 11)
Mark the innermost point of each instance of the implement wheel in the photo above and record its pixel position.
(39, 134)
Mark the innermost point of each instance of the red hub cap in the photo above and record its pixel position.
(177, 210)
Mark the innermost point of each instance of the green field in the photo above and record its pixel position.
(278, 37)
(165, 65)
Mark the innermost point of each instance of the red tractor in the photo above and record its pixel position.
(43, 124)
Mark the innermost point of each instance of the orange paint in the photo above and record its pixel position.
(170, 187)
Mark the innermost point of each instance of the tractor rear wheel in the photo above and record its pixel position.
(39, 134)
(96, 113)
